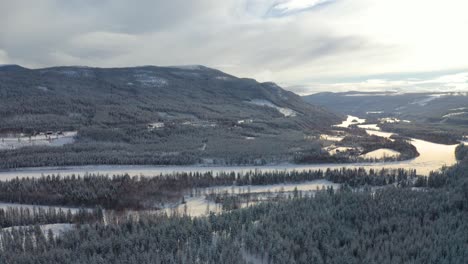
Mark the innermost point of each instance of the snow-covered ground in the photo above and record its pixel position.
(389, 120)
(381, 153)
(199, 123)
(42, 88)
(21, 140)
(57, 229)
(432, 157)
(155, 125)
(429, 98)
(370, 127)
(199, 206)
(283, 187)
(285, 111)
(459, 109)
(245, 121)
(351, 120)
(380, 134)
(331, 137)
(333, 150)
(454, 114)
(147, 79)
(223, 78)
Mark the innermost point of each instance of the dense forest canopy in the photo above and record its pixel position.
(125, 192)
(388, 225)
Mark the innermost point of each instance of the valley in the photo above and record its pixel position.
(287, 163)
(435, 117)
(233, 132)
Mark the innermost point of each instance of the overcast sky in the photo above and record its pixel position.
(304, 45)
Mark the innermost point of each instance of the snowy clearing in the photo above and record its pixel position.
(331, 137)
(155, 125)
(223, 78)
(370, 126)
(381, 153)
(351, 120)
(149, 80)
(57, 139)
(285, 111)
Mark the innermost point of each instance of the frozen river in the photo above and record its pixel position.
(432, 157)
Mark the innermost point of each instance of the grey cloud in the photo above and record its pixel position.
(234, 35)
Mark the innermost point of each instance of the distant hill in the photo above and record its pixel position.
(437, 117)
(442, 107)
(153, 115)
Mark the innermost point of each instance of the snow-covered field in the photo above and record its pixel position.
(285, 111)
(21, 140)
(381, 153)
(351, 120)
(380, 134)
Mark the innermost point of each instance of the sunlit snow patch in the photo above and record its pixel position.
(285, 111)
(381, 153)
(454, 114)
(351, 120)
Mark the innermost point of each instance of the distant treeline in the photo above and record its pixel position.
(120, 192)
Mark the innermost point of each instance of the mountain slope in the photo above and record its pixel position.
(151, 115)
(73, 96)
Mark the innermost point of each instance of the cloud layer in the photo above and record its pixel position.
(308, 45)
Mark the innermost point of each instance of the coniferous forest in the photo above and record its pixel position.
(395, 224)
(139, 192)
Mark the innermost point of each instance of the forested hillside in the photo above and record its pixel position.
(150, 115)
